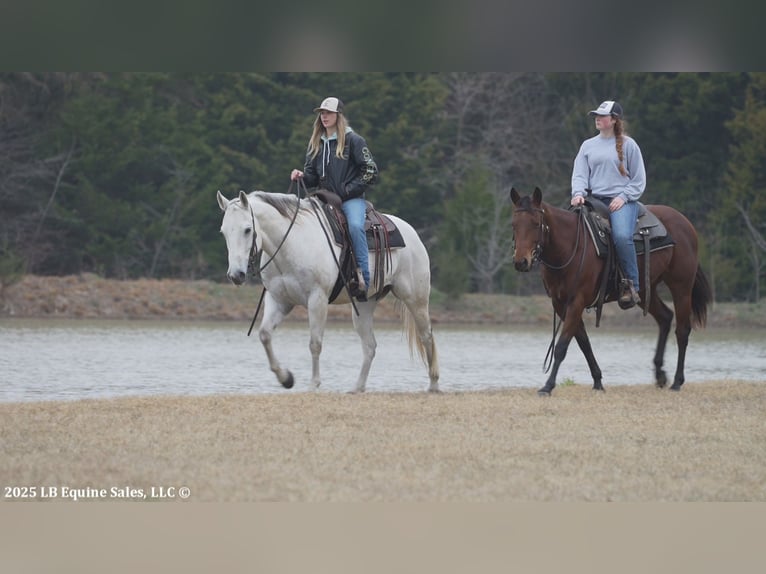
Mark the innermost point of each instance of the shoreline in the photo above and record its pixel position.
(89, 296)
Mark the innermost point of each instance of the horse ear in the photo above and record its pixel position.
(243, 199)
(222, 201)
(537, 197)
(515, 197)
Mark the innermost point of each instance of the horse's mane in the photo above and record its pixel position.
(282, 202)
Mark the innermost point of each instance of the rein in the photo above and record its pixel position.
(255, 256)
(544, 228)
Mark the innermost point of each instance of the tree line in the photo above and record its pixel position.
(116, 173)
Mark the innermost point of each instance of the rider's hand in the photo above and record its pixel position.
(616, 204)
(577, 200)
(296, 174)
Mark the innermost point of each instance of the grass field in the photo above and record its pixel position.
(632, 443)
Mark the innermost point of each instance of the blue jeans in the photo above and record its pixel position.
(623, 223)
(354, 210)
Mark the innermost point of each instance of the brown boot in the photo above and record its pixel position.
(628, 297)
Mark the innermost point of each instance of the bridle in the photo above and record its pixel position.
(543, 234)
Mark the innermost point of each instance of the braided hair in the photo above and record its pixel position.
(619, 131)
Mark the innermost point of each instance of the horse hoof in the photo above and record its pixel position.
(675, 388)
(543, 393)
(288, 384)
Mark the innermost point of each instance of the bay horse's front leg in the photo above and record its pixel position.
(583, 341)
(273, 314)
(559, 352)
(572, 318)
(317, 309)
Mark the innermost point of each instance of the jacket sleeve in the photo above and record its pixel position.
(310, 174)
(366, 172)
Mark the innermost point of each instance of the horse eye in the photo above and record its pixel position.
(247, 230)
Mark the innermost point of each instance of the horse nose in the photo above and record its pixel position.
(237, 278)
(521, 265)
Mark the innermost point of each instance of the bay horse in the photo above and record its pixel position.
(301, 269)
(571, 273)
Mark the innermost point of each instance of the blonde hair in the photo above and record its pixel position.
(315, 142)
(619, 131)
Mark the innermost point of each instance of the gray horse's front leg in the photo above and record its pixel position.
(273, 315)
(317, 308)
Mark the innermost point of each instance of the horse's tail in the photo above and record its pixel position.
(411, 329)
(701, 296)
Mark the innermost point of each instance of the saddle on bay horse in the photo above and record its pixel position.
(649, 235)
(382, 236)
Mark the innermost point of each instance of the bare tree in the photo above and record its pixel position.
(754, 233)
(507, 124)
(509, 119)
(180, 178)
(494, 248)
(757, 243)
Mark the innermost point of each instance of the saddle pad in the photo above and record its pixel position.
(655, 244)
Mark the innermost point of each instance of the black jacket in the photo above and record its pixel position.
(348, 177)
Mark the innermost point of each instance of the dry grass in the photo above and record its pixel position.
(638, 443)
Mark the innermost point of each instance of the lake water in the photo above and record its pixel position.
(70, 359)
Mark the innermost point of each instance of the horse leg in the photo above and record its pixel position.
(273, 314)
(317, 310)
(683, 329)
(559, 352)
(664, 318)
(418, 324)
(581, 336)
(363, 327)
(569, 327)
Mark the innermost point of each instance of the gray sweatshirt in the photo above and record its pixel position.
(597, 167)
